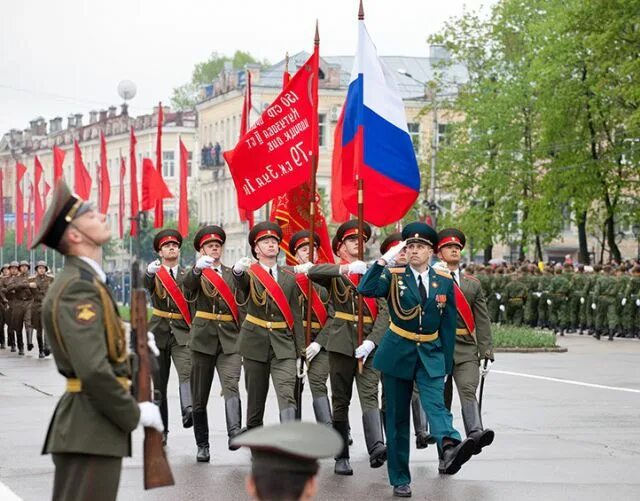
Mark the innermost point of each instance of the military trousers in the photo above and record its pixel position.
(256, 377)
(203, 367)
(493, 307)
(318, 373)
(531, 310)
(86, 477)
(514, 311)
(606, 313)
(18, 312)
(343, 370)
(398, 394)
(467, 377)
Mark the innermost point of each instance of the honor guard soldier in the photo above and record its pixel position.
(316, 354)
(20, 296)
(417, 348)
(341, 282)
(10, 295)
(214, 336)
(170, 322)
(271, 336)
(40, 285)
(90, 431)
(4, 305)
(473, 354)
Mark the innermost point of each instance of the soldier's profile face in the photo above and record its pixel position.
(302, 254)
(267, 247)
(169, 251)
(212, 249)
(351, 245)
(419, 253)
(93, 225)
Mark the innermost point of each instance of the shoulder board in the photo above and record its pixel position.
(396, 270)
(471, 277)
(86, 275)
(443, 274)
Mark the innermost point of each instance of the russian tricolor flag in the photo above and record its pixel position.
(372, 142)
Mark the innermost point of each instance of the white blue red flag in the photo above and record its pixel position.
(372, 142)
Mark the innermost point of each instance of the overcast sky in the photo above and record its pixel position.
(67, 56)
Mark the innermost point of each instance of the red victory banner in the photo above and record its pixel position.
(154, 188)
(105, 182)
(274, 156)
(58, 161)
(82, 184)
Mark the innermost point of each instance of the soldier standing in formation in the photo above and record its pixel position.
(213, 336)
(170, 322)
(40, 286)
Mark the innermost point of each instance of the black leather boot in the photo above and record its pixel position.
(473, 426)
(342, 466)
(288, 414)
(233, 415)
(423, 437)
(373, 437)
(201, 433)
(186, 404)
(453, 456)
(29, 331)
(322, 410)
(611, 333)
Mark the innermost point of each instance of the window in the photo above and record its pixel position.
(414, 133)
(322, 129)
(444, 133)
(189, 163)
(168, 164)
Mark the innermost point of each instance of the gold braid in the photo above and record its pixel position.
(207, 287)
(341, 296)
(395, 302)
(159, 290)
(116, 339)
(260, 299)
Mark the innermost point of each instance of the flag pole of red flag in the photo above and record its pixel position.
(29, 217)
(20, 172)
(153, 186)
(245, 123)
(183, 211)
(58, 161)
(105, 182)
(123, 172)
(38, 208)
(2, 228)
(133, 175)
(158, 221)
(82, 182)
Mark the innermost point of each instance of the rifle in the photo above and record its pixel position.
(157, 472)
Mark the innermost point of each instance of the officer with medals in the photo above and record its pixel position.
(271, 336)
(316, 353)
(473, 354)
(90, 431)
(214, 336)
(341, 281)
(170, 322)
(416, 349)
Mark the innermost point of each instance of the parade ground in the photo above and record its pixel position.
(567, 427)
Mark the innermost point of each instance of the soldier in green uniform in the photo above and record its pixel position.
(344, 350)
(577, 302)
(271, 337)
(19, 296)
(417, 348)
(605, 294)
(40, 285)
(170, 322)
(558, 300)
(4, 305)
(90, 431)
(544, 284)
(591, 299)
(213, 336)
(474, 343)
(622, 279)
(10, 296)
(533, 297)
(515, 295)
(631, 308)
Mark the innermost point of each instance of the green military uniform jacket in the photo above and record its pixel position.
(480, 345)
(81, 321)
(207, 336)
(397, 355)
(343, 334)
(161, 327)
(18, 289)
(255, 341)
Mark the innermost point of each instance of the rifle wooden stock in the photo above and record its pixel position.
(157, 472)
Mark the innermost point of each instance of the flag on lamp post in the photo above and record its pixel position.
(58, 161)
(105, 182)
(123, 172)
(183, 211)
(82, 182)
(153, 186)
(245, 121)
(38, 208)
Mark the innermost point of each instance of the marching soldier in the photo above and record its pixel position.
(214, 336)
(10, 295)
(533, 297)
(558, 301)
(4, 306)
(515, 294)
(341, 281)
(170, 322)
(591, 299)
(473, 339)
(605, 293)
(90, 431)
(622, 279)
(271, 338)
(19, 301)
(631, 311)
(577, 301)
(417, 348)
(40, 285)
(544, 285)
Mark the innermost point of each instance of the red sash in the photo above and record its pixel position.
(319, 309)
(464, 310)
(275, 291)
(371, 303)
(223, 288)
(175, 293)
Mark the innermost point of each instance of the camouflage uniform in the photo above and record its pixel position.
(515, 294)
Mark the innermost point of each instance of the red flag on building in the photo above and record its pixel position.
(20, 172)
(29, 217)
(38, 200)
(2, 228)
(58, 161)
(274, 156)
(123, 172)
(245, 123)
(153, 186)
(158, 220)
(183, 211)
(133, 175)
(82, 183)
(105, 182)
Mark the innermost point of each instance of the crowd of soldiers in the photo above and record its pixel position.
(598, 300)
(21, 296)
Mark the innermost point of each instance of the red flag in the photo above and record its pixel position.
(105, 182)
(2, 228)
(45, 194)
(135, 206)
(158, 220)
(58, 161)
(82, 185)
(38, 209)
(153, 186)
(183, 211)
(20, 172)
(29, 214)
(339, 211)
(123, 172)
(245, 122)
(275, 155)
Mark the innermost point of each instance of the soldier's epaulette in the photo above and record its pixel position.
(396, 269)
(443, 273)
(86, 275)
(471, 277)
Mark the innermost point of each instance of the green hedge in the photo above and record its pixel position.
(125, 312)
(509, 336)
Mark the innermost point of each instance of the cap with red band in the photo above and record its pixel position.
(451, 236)
(165, 237)
(209, 233)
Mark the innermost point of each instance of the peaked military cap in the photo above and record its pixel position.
(210, 233)
(293, 446)
(65, 207)
(42, 263)
(420, 232)
(262, 230)
(451, 236)
(391, 241)
(164, 237)
(300, 238)
(349, 229)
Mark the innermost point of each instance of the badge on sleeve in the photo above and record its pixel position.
(86, 313)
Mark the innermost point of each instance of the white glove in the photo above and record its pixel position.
(241, 265)
(391, 254)
(593, 306)
(537, 294)
(357, 267)
(151, 343)
(312, 350)
(365, 349)
(204, 262)
(549, 302)
(302, 268)
(624, 301)
(501, 307)
(485, 370)
(150, 416)
(581, 300)
(498, 296)
(301, 369)
(637, 302)
(153, 267)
